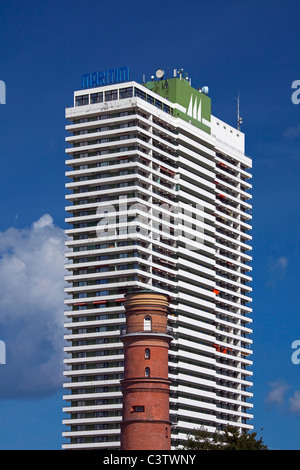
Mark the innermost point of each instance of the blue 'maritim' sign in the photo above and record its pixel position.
(90, 80)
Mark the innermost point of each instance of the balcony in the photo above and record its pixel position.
(155, 330)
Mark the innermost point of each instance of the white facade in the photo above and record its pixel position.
(154, 202)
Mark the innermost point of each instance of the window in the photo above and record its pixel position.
(147, 353)
(103, 257)
(123, 267)
(147, 371)
(139, 408)
(140, 93)
(104, 292)
(150, 99)
(126, 92)
(96, 98)
(167, 109)
(111, 95)
(102, 269)
(104, 175)
(82, 100)
(147, 323)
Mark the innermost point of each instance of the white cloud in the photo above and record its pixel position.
(277, 270)
(292, 132)
(282, 263)
(295, 402)
(277, 396)
(277, 392)
(31, 309)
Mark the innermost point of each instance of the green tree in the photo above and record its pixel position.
(229, 439)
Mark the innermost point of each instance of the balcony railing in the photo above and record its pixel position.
(167, 330)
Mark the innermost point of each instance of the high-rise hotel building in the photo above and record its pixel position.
(158, 198)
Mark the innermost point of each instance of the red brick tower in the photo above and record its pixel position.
(146, 387)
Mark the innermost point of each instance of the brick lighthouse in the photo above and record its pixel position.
(146, 387)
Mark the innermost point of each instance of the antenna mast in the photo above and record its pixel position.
(239, 119)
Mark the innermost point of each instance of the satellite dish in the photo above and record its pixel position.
(205, 90)
(160, 73)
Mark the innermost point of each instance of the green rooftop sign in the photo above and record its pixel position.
(191, 105)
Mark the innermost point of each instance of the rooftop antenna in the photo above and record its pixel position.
(239, 119)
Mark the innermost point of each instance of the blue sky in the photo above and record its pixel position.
(248, 47)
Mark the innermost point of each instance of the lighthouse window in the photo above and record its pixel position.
(138, 408)
(147, 353)
(147, 371)
(147, 323)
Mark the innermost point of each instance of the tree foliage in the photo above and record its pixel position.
(229, 439)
